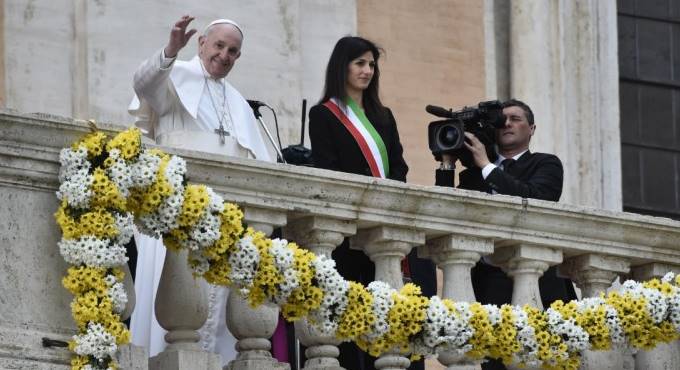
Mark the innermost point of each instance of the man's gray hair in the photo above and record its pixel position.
(207, 28)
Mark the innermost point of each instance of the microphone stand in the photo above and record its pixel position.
(258, 116)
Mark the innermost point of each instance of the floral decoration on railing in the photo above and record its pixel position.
(109, 183)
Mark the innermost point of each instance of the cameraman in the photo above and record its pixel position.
(517, 172)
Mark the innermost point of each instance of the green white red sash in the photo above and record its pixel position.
(371, 144)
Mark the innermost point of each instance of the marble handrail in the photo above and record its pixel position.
(451, 226)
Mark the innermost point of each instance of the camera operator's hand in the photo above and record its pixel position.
(477, 149)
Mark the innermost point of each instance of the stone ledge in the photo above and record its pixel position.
(436, 211)
(21, 347)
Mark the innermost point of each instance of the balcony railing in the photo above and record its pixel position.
(317, 209)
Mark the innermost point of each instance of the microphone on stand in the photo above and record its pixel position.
(255, 106)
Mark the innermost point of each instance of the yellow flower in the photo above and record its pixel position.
(93, 142)
(78, 362)
(196, 199)
(358, 316)
(128, 142)
(105, 193)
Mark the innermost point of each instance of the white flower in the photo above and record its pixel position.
(334, 301)
(444, 330)
(216, 202)
(668, 278)
(96, 342)
(284, 261)
(616, 332)
(125, 226)
(165, 217)
(175, 171)
(244, 262)
(91, 251)
(118, 297)
(120, 173)
(657, 305)
(526, 336)
(206, 231)
(72, 161)
(575, 337)
(144, 169)
(76, 188)
(382, 303)
(494, 314)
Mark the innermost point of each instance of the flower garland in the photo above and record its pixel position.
(106, 184)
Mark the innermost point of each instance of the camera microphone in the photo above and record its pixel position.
(438, 111)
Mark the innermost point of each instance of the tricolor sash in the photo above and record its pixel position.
(371, 144)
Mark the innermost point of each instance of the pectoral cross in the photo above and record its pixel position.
(222, 132)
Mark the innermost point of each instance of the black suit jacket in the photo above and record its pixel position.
(334, 148)
(533, 175)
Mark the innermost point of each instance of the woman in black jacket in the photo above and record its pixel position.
(351, 131)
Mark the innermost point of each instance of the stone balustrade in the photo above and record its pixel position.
(317, 208)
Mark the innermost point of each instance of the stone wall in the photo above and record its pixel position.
(434, 54)
(76, 58)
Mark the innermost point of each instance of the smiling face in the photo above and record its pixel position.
(219, 49)
(514, 137)
(360, 72)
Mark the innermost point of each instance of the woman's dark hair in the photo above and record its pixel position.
(346, 50)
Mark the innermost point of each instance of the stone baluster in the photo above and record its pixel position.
(320, 235)
(253, 327)
(594, 274)
(665, 355)
(525, 264)
(456, 255)
(130, 291)
(181, 309)
(386, 246)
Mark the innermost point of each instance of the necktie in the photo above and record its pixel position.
(507, 164)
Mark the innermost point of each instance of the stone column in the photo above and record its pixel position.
(130, 291)
(666, 355)
(320, 235)
(563, 61)
(386, 246)
(456, 255)
(181, 309)
(593, 274)
(254, 326)
(525, 264)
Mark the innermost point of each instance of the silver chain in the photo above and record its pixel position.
(225, 104)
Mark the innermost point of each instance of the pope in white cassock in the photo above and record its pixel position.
(190, 105)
